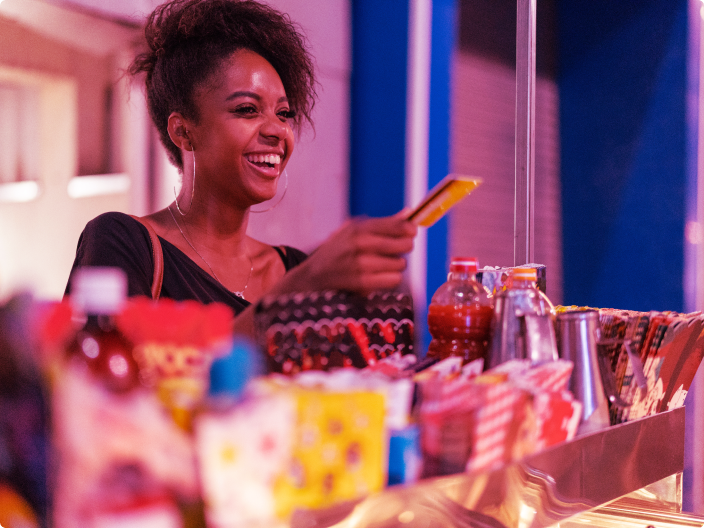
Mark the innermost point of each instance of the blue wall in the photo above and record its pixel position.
(378, 134)
(622, 85)
(444, 42)
(378, 106)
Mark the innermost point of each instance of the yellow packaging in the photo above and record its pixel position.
(442, 197)
(285, 448)
(339, 450)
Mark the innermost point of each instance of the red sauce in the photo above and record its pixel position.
(460, 331)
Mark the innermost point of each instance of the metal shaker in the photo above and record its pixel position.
(522, 327)
(577, 337)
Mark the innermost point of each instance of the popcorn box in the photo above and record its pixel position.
(339, 450)
(498, 417)
(288, 448)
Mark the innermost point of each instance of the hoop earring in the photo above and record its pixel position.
(280, 199)
(193, 189)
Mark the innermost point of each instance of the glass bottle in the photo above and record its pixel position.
(460, 313)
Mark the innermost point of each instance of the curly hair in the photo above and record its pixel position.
(189, 40)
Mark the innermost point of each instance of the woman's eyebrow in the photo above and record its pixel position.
(235, 95)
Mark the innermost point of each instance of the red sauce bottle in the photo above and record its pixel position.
(460, 313)
(99, 294)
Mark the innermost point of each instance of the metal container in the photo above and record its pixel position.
(577, 338)
(522, 327)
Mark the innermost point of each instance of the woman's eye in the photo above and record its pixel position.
(287, 114)
(245, 110)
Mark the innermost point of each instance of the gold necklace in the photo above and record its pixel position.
(240, 293)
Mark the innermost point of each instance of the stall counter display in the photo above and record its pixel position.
(328, 456)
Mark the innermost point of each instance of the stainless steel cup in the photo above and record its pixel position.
(522, 328)
(577, 338)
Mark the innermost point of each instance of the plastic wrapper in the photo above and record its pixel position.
(324, 330)
(175, 343)
(127, 458)
(497, 417)
(118, 456)
(669, 346)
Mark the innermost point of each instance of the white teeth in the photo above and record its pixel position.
(273, 159)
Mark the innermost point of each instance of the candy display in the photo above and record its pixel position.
(329, 329)
(161, 416)
(668, 346)
(496, 417)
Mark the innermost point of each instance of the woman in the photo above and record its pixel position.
(227, 81)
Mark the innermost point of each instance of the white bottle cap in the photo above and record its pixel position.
(99, 290)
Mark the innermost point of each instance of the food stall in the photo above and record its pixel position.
(166, 447)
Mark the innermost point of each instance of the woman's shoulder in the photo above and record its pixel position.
(115, 231)
(291, 256)
(117, 240)
(111, 221)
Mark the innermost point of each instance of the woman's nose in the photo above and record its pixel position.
(273, 127)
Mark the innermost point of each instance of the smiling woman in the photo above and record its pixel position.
(227, 83)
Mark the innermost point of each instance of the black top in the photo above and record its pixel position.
(116, 239)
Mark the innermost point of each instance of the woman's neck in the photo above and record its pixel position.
(216, 225)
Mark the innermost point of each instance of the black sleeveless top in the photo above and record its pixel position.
(116, 239)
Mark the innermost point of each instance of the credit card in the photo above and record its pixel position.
(451, 189)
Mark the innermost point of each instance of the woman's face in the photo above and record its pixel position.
(243, 139)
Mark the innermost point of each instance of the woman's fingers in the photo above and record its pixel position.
(375, 244)
(364, 255)
(372, 263)
(380, 281)
(388, 236)
(391, 226)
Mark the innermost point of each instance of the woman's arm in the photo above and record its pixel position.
(362, 256)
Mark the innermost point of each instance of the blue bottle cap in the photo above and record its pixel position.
(229, 374)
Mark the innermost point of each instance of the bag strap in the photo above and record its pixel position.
(157, 255)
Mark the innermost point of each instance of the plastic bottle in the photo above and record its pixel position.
(98, 294)
(523, 321)
(106, 422)
(460, 313)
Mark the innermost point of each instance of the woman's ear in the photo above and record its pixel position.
(178, 131)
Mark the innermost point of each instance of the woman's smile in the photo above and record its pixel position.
(269, 164)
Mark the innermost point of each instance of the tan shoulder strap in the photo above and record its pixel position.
(157, 255)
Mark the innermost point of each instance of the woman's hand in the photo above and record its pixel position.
(362, 256)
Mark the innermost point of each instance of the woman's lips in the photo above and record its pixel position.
(267, 164)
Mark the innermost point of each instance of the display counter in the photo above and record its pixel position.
(626, 475)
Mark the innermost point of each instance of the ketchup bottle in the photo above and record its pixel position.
(99, 294)
(460, 313)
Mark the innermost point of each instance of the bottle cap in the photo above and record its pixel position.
(464, 264)
(99, 290)
(526, 274)
(229, 374)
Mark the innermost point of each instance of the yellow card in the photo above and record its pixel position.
(442, 197)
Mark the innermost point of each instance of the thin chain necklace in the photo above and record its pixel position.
(240, 293)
